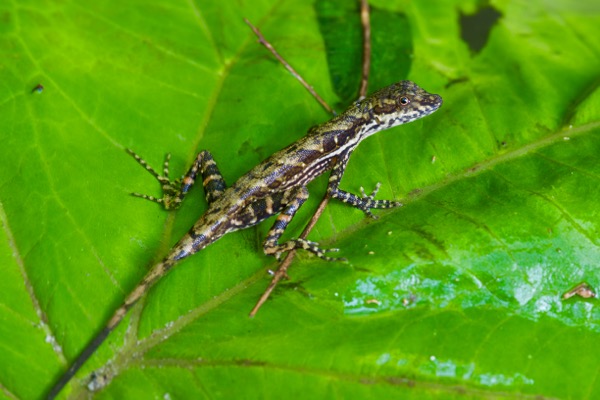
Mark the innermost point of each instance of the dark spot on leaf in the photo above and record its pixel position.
(38, 88)
(475, 29)
(456, 81)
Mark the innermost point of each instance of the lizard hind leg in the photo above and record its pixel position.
(271, 244)
(212, 180)
(175, 190)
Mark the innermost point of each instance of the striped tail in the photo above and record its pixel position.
(157, 272)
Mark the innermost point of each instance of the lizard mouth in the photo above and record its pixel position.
(436, 101)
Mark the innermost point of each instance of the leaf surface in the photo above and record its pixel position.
(456, 294)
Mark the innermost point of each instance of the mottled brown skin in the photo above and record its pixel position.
(276, 186)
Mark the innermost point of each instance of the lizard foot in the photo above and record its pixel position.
(304, 244)
(172, 195)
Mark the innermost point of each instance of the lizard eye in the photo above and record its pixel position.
(404, 101)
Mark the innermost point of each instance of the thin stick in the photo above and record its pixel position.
(269, 46)
(282, 270)
(366, 65)
(287, 261)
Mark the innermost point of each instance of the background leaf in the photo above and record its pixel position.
(457, 294)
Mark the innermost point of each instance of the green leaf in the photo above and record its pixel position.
(456, 294)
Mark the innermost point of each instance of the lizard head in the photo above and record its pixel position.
(396, 104)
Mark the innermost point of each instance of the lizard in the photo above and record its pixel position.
(276, 186)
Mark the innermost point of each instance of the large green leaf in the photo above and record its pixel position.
(457, 294)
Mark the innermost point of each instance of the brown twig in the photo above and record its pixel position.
(366, 65)
(269, 46)
(365, 19)
(282, 270)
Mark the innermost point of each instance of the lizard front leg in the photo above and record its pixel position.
(364, 203)
(174, 191)
(271, 245)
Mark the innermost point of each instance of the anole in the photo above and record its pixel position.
(276, 186)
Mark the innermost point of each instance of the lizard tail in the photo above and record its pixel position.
(81, 359)
(151, 277)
